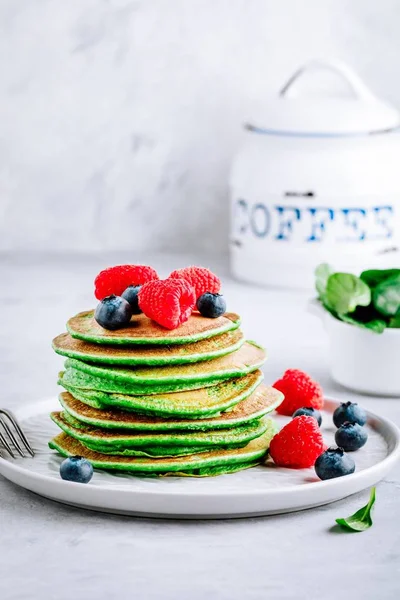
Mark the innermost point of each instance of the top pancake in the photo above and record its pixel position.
(142, 330)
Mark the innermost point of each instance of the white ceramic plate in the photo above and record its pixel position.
(262, 490)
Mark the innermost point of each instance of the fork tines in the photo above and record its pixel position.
(12, 438)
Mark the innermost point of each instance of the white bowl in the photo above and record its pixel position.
(360, 359)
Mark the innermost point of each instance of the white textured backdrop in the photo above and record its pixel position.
(119, 118)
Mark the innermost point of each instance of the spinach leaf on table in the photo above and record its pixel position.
(361, 520)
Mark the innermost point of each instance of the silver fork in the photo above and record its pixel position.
(12, 438)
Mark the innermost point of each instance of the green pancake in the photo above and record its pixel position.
(127, 443)
(204, 464)
(155, 380)
(262, 401)
(196, 404)
(148, 451)
(203, 350)
(142, 330)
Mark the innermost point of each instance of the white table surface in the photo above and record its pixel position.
(51, 551)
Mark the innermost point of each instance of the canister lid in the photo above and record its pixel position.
(357, 113)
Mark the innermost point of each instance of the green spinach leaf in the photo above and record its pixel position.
(386, 296)
(376, 325)
(366, 317)
(344, 292)
(374, 277)
(361, 520)
(395, 321)
(322, 273)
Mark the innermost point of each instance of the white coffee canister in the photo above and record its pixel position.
(317, 179)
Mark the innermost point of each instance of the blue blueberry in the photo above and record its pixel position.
(309, 411)
(131, 296)
(211, 305)
(113, 312)
(334, 462)
(351, 436)
(349, 411)
(76, 468)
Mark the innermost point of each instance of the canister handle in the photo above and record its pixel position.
(355, 84)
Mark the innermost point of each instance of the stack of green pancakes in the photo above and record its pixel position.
(151, 401)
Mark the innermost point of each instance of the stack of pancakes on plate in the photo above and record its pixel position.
(151, 401)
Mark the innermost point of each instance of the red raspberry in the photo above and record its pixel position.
(169, 302)
(200, 278)
(299, 391)
(115, 280)
(298, 444)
